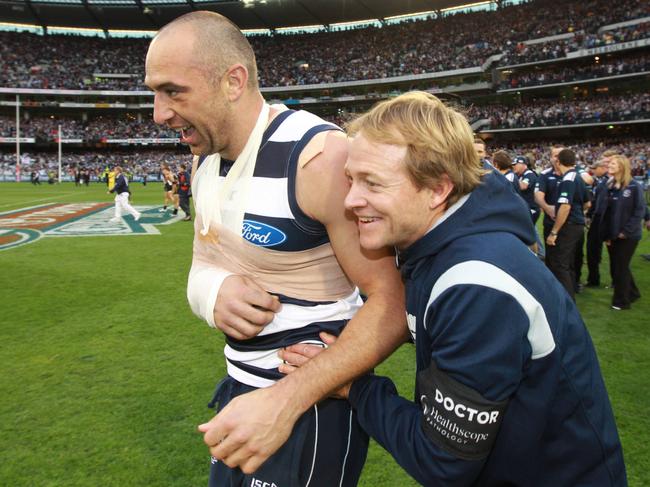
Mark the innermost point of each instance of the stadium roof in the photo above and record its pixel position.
(247, 14)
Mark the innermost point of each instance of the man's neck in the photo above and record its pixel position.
(246, 113)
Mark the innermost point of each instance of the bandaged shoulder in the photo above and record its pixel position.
(457, 418)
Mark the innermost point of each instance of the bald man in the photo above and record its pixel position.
(276, 261)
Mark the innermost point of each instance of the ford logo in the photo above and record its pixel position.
(261, 234)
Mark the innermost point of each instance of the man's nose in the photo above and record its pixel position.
(161, 110)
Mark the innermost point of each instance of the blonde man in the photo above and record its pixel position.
(508, 388)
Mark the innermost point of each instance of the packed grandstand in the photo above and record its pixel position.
(527, 74)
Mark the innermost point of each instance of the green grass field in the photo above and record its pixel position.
(106, 373)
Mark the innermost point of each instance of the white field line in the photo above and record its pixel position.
(18, 203)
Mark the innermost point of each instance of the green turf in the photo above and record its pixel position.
(106, 373)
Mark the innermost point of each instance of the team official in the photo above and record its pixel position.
(568, 227)
(621, 226)
(594, 217)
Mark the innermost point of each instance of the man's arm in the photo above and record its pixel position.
(560, 220)
(523, 184)
(247, 431)
(540, 199)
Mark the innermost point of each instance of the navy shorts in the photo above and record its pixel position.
(327, 448)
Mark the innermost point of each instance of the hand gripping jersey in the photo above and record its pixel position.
(284, 251)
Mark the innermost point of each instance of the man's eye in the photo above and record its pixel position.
(172, 93)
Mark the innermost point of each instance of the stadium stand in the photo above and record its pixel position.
(531, 67)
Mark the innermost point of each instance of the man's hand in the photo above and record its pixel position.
(249, 429)
(550, 240)
(243, 308)
(298, 354)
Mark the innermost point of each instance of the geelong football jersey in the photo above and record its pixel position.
(283, 250)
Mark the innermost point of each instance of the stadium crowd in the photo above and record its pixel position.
(562, 74)
(546, 113)
(451, 42)
(539, 113)
(93, 129)
(520, 53)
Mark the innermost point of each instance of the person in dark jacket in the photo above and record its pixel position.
(184, 192)
(567, 231)
(503, 162)
(122, 195)
(508, 386)
(594, 216)
(622, 231)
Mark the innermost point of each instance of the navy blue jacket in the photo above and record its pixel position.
(508, 387)
(530, 177)
(121, 186)
(624, 209)
(598, 203)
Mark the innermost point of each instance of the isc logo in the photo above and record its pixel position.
(259, 483)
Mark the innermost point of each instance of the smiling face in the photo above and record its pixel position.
(614, 168)
(389, 208)
(188, 97)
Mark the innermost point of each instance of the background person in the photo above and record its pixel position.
(594, 217)
(122, 194)
(503, 162)
(184, 192)
(568, 227)
(621, 225)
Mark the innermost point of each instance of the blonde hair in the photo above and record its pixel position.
(624, 174)
(439, 141)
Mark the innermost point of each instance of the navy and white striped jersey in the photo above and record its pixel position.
(285, 251)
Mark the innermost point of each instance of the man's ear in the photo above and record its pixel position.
(439, 193)
(234, 81)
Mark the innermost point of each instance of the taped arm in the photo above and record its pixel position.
(204, 280)
(203, 284)
(477, 356)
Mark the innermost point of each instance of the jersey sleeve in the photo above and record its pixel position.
(566, 192)
(478, 350)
